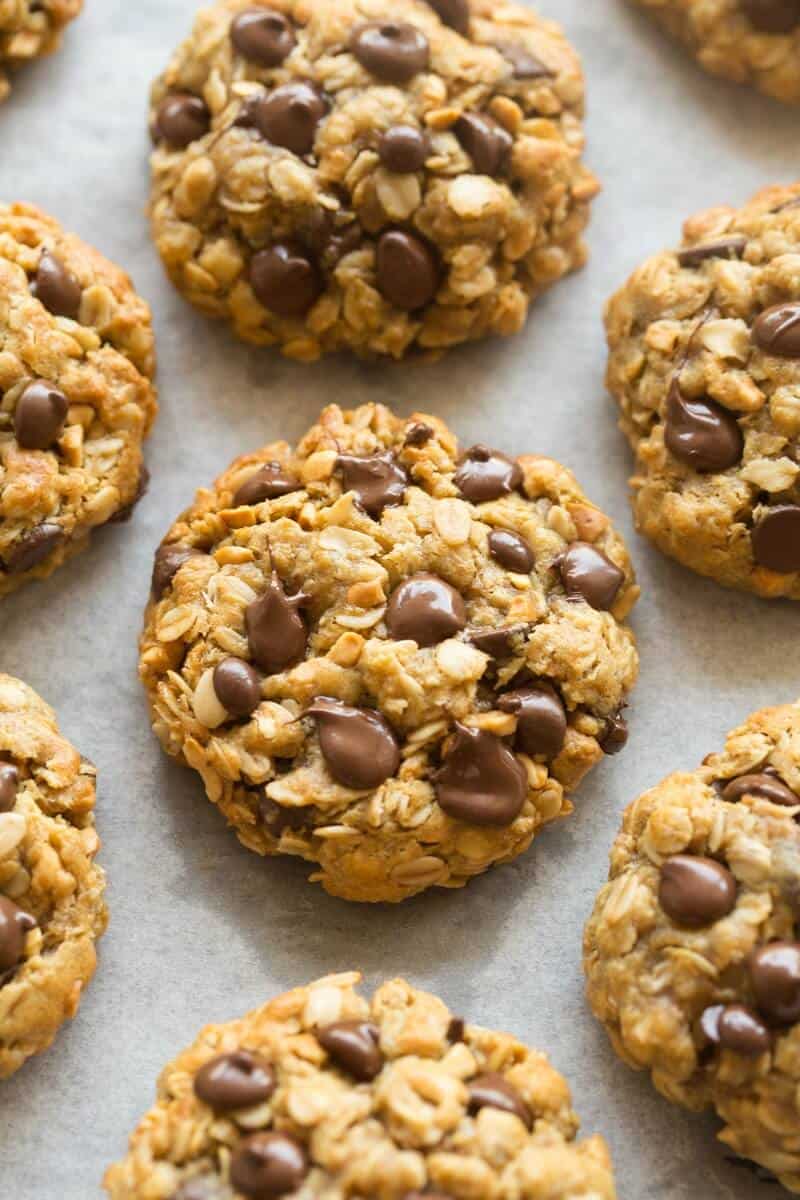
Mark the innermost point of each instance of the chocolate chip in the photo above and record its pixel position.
(485, 474)
(33, 547)
(9, 786)
(358, 744)
(378, 480)
(511, 551)
(492, 1090)
(701, 433)
(777, 330)
(454, 13)
(236, 1080)
(541, 719)
(729, 247)
(40, 415)
(403, 149)
(524, 64)
(15, 923)
(168, 561)
(767, 786)
(407, 270)
(276, 633)
(481, 781)
(263, 36)
(267, 483)
(237, 686)
(285, 280)
(426, 610)
(696, 891)
(353, 1046)
(486, 142)
(776, 539)
(418, 434)
(497, 643)
(773, 16)
(456, 1030)
(266, 1165)
(277, 818)
(290, 115)
(56, 287)
(390, 50)
(181, 119)
(775, 976)
(587, 574)
(736, 1028)
(614, 735)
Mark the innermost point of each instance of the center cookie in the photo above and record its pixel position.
(388, 657)
(407, 175)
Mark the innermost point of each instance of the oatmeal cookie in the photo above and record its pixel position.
(386, 658)
(704, 363)
(367, 175)
(51, 891)
(692, 954)
(30, 29)
(76, 394)
(321, 1093)
(747, 41)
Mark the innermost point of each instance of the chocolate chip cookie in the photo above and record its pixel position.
(704, 362)
(51, 891)
(76, 394)
(748, 41)
(30, 29)
(381, 178)
(692, 954)
(388, 657)
(322, 1093)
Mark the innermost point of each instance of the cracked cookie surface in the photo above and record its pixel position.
(51, 891)
(322, 1093)
(30, 29)
(76, 394)
(704, 362)
(387, 658)
(692, 954)
(354, 174)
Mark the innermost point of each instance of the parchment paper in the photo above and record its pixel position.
(201, 929)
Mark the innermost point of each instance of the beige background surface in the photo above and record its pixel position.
(201, 929)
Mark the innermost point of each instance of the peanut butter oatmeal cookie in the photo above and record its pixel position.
(692, 954)
(51, 891)
(320, 1093)
(76, 394)
(30, 29)
(386, 658)
(704, 362)
(367, 175)
(748, 41)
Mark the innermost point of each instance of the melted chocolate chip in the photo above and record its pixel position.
(729, 247)
(701, 433)
(481, 781)
(426, 610)
(485, 474)
(486, 142)
(777, 330)
(776, 539)
(511, 551)
(767, 786)
(391, 50)
(418, 434)
(773, 16)
(237, 687)
(267, 483)
(775, 976)
(277, 818)
(181, 119)
(15, 923)
(403, 149)
(358, 744)
(524, 64)
(289, 116)
(734, 1027)
(40, 415)
(454, 13)
(492, 1090)
(236, 1080)
(56, 287)
(587, 574)
(456, 1030)
(168, 561)
(9, 786)
(276, 633)
(407, 270)
(267, 1165)
(378, 480)
(353, 1046)
(263, 36)
(33, 547)
(541, 719)
(614, 736)
(285, 279)
(696, 891)
(497, 643)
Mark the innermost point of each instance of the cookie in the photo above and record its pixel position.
(388, 658)
(30, 29)
(704, 362)
(381, 178)
(51, 891)
(748, 41)
(76, 394)
(692, 954)
(323, 1092)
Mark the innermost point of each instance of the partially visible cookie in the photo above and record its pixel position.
(76, 394)
(692, 954)
(51, 891)
(320, 1093)
(704, 362)
(30, 29)
(747, 41)
(379, 177)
